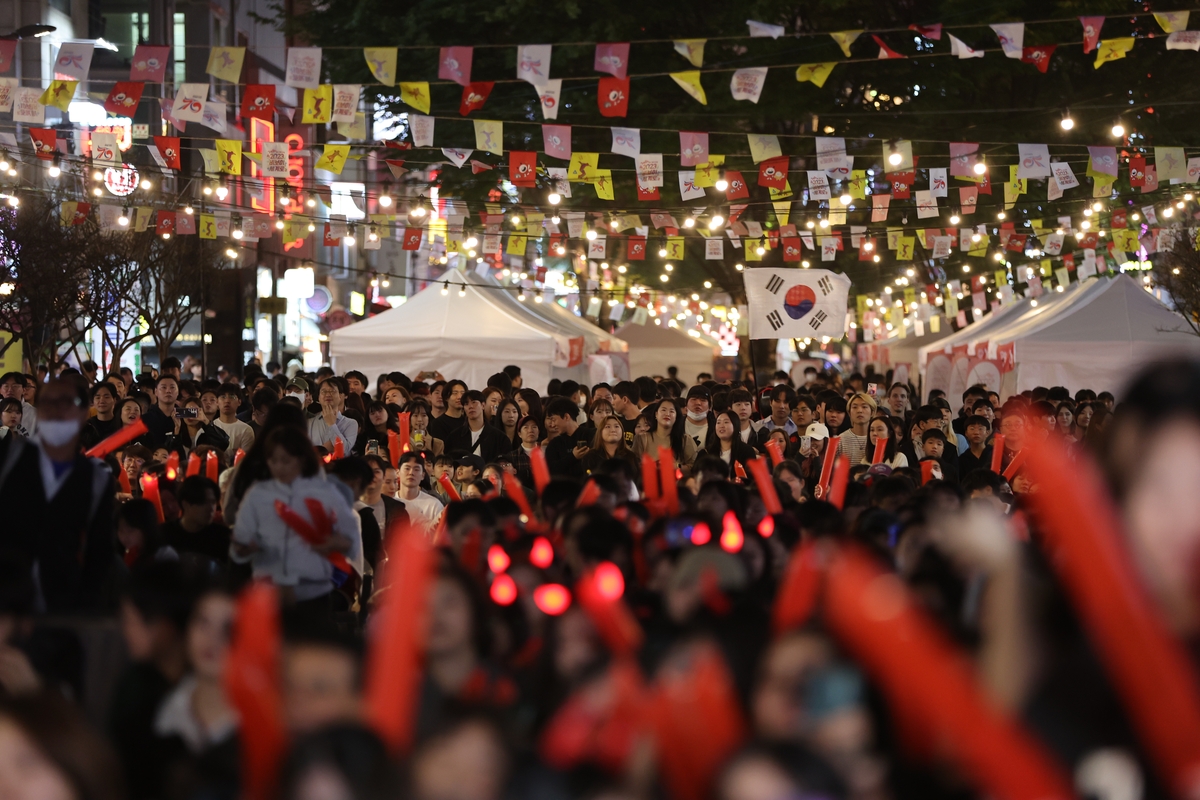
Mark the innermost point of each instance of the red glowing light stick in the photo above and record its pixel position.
(118, 439)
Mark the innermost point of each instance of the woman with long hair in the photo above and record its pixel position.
(609, 443)
(491, 402)
(139, 538)
(253, 466)
(530, 403)
(881, 428)
(508, 413)
(529, 433)
(666, 430)
(727, 445)
(380, 420)
(420, 413)
(1064, 420)
(276, 552)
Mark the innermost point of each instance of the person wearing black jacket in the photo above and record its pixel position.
(476, 436)
(105, 423)
(160, 417)
(58, 504)
(726, 444)
(565, 453)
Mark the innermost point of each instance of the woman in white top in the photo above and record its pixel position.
(197, 710)
(276, 551)
(881, 428)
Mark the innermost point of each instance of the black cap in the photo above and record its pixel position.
(471, 460)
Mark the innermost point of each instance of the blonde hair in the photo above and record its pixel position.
(866, 398)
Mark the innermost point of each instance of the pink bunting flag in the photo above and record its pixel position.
(1091, 32)
(454, 64)
(612, 58)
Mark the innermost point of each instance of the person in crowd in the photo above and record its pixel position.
(978, 454)
(491, 401)
(1064, 420)
(197, 530)
(388, 511)
(241, 435)
(609, 443)
(453, 417)
(529, 433)
(625, 404)
(446, 465)
(699, 420)
(569, 444)
(897, 400)
(12, 384)
(792, 476)
(277, 552)
(726, 444)
(331, 425)
(104, 422)
(804, 412)
(853, 441)
(373, 437)
(421, 437)
(742, 404)
(508, 413)
(476, 436)
(666, 429)
(880, 428)
(161, 420)
(781, 398)
(933, 448)
(193, 429)
(11, 414)
(424, 510)
(139, 536)
(58, 504)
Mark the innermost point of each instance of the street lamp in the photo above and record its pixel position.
(30, 32)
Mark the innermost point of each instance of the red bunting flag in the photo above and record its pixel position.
(8, 47)
(635, 248)
(258, 101)
(613, 97)
(738, 190)
(168, 148)
(123, 98)
(165, 223)
(412, 239)
(885, 51)
(522, 168)
(1091, 32)
(474, 95)
(44, 142)
(772, 172)
(1038, 56)
(933, 32)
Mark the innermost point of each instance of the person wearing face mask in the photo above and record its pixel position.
(298, 388)
(59, 504)
(700, 420)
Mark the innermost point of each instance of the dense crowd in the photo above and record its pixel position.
(332, 587)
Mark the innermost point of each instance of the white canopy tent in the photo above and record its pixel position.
(653, 348)
(597, 341)
(469, 336)
(1094, 335)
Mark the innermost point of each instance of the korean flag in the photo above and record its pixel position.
(796, 304)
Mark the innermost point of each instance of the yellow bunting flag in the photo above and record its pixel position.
(751, 246)
(782, 211)
(489, 136)
(893, 237)
(333, 158)
(1112, 49)
(857, 187)
(1172, 21)
(382, 62)
(690, 82)
(784, 193)
(708, 172)
(59, 94)
(208, 226)
(416, 95)
(844, 39)
(1102, 186)
(1001, 277)
(225, 63)
(674, 247)
(66, 213)
(318, 104)
(1125, 239)
(920, 232)
(906, 248)
(356, 129)
(141, 218)
(229, 155)
(516, 244)
(692, 50)
(583, 167)
(604, 185)
(815, 73)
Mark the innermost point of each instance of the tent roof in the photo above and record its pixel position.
(660, 336)
(1116, 309)
(596, 339)
(988, 323)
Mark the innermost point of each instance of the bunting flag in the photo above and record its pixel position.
(58, 94)
(932, 32)
(73, 62)
(844, 39)
(168, 148)
(123, 98)
(225, 63)
(1012, 38)
(692, 50)
(8, 48)
(258, 101)
(149, 63)
(318, 105)
(303, 67)
(474, 95)
(1038, 56)
(1091, 32)
(454, 64)
(382, 63)
(613, 97)
(522, 168)
(885, 51)
(416, 95)
(690, 82)
(533, 63)
(1172, 21)
(1112, 50)
(957, 48)
(229, 152)
(489, 136)
(45, 142)
(612, 58)
(815, 73)
(333, 158)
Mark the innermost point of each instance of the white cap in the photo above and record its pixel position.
(817, 431)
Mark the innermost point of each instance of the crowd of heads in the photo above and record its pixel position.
(524, 498)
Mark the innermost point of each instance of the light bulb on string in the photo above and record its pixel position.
(55, 168)
(123, 220)
(237, 232)
(187, 209)
(231, 253)
(554, 198)
(349, 239)
(1000, 215)
(96, 191)
(222, 191)
(373, 233)
(721, 183)
(147, 185)
(590, 235)
(470, 242)
(689, 222)
(555, 219)
(1118, 130)
(894, 156)
(207, 189)
(980, 167)
(97, 175)
(4, 165)
(1066, 123)
(445, 288)
(418, 210)
(715, 221)
(662, 252)
(385, 200)
(845, 199)
(312, 226)
(310, 202)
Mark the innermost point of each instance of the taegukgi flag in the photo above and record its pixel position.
(796, 303)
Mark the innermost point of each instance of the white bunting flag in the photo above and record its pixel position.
(421, 129)
(274, 159)
(73, 62)
(1012, 38)
(926, 204)
(938, 186)
(345, 101)
(957, 48)
(105, 151)
(650, 170)
(303, 67)
(189, 102)
(747, 84)
(548, 94)
(1063, 175)
(763, 30)
(818, 185)
(457, 156)
(627, 141)
(687, 185)
(8, 89)
(714, 249)
(533, 63)
(1033, 161)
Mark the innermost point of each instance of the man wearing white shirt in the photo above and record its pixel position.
(424, 510)
(241, 435)
(331, 425)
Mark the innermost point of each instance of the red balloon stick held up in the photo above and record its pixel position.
(118, 439)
